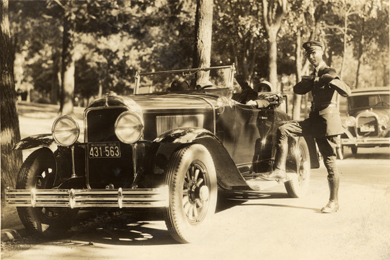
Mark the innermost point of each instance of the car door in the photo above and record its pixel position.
(248, 135)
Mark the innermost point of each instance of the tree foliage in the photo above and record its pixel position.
(113, 39)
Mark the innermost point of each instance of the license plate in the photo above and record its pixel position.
(104, 150)
(367, 128)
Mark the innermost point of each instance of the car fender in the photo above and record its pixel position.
(227, 173)
(40, 140)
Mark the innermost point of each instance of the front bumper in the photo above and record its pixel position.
(89, 198)
(365, 142)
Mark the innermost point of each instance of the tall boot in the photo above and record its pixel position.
(279, 174)
(333, 204)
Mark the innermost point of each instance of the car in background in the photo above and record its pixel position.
(368, 119)
(171, 146)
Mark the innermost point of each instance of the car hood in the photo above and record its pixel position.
(379, 112)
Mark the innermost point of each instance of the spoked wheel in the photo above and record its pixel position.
(192, 182)
(298, 185)
(38, 171)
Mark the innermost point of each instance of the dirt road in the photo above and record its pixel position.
(265, 225)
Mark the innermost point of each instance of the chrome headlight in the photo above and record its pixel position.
(65, 131)
(129, 127)
(383, 120)
(350, 121)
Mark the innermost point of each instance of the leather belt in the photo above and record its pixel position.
(322, 105)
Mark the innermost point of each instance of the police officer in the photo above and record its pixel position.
(324, 122)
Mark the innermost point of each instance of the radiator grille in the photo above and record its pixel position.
(116, 172)
(367, 126)
(101, 124)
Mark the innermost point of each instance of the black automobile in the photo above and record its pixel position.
(368, 119)
(172, 145)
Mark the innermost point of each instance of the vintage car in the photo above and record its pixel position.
(368, 119)
(163, 147)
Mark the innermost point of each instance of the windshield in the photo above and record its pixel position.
(369, 101)
(186, 80)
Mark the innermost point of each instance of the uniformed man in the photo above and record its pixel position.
(324, 122)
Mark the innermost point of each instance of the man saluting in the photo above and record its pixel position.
(324, 122)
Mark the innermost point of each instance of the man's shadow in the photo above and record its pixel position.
(254, 198)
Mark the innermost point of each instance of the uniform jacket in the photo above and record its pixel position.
(324, 119)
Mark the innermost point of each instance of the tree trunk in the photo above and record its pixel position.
(296, 113)
(68, 63)
(360, 54)
(330, 57)
(252, 58)
(273, 59)
(203, 33)
(345, 45)
(11, 160)
(273, 14)
(56, 79)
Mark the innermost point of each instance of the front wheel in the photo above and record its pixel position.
(38, 171)
(192, 182)
(298, 185)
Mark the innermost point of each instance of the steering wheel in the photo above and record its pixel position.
(204, 87)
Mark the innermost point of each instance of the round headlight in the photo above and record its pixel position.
(383, 120)
(129, 127)
(350, 121)
(65, 131)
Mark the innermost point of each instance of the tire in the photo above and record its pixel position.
(38, 171)
(192, 182)
(298, 185)
(354, 150)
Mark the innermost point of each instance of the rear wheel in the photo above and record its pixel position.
(354, 150)
(298, 185)
(192, 182)
(38, 171)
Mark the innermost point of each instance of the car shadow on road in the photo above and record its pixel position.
(102, 226)
(145, 227)
(315, 210)
(134, 233)
(122, 228)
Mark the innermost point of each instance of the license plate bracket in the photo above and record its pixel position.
(104, 150)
